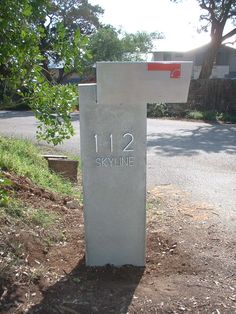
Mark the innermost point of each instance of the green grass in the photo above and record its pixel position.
(40, 217)
(24, 159)
(43, 218)
(196, 115)
(210, 116)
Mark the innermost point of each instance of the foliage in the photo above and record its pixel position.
(34, 33)
(4, 197)
(226, 117)
(106, 45)
(76, 14)
(157, 110)
(195, 115)
(14, 209)
(55, 121)
(19, 53)
(109, 44)
(23, 158)
(65, 50)
(164, 111)
(43, 218)
(138, 44)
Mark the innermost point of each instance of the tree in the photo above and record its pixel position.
(19, 52)
(109, 44)
(216, 14)
(135, 46)
(105, 45)
(76, 14)
(24, 75)
(66, 19)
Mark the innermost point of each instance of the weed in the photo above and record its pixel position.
(36, 274)
(43, 218)
(4, 197)
(14, 209)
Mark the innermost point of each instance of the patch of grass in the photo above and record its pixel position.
(18, 212)
(24, 158)
(14, 209)
(43, 218)
(195, 115)
(4, 197)
(210, 116)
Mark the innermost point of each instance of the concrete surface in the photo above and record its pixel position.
(143, 82)
(113, 152)
(199, 158)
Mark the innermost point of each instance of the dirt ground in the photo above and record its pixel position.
(190, 265)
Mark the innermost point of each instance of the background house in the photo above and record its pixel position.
(225, 65)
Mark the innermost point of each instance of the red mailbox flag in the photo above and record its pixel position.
(173, 68)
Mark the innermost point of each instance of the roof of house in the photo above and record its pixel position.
(204, 47)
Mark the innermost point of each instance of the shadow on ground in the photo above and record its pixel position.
(91, 290)
(187, 142)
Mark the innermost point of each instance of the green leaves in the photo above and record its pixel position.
(53, 105)
(108, 44)
(29, 42)
(4, 197)
(19, 52)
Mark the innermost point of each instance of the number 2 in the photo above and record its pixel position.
(127, 149)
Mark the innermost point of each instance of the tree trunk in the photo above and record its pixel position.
(213, 48)
(210, 59)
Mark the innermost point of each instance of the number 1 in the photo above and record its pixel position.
(96, 142)
(111, 143)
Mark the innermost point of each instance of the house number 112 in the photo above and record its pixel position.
(126, 148)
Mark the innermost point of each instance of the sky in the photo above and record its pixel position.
(178, 22)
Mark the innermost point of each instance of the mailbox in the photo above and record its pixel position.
(113, 154)
(143, 82)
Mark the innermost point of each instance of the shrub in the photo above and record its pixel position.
(157, 110)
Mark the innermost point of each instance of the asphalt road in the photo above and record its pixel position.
(199, 158)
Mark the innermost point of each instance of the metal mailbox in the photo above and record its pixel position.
(143, 82)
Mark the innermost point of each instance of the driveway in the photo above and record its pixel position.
(199, 158)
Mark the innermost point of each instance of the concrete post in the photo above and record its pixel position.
(113, 148)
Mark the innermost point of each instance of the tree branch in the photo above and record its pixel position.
(230, 34)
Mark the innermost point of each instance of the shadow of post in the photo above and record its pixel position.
(105, 289)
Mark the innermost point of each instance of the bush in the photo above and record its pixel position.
(196, 115)
(226, 117)
(157, 110)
